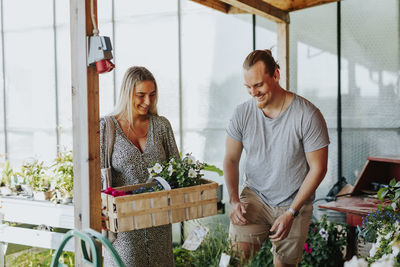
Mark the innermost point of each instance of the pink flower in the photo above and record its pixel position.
(108, 190)
(114, 193)
(307, 248)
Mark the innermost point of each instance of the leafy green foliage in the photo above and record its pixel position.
(325, 244)
(7, 174)
(264, 256)
(392, 194)
(209, 252)
(182, 172)
(63, 170)
(40, 258)
(36, 176)
(382, 227)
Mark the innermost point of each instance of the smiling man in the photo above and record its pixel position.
(286, 142)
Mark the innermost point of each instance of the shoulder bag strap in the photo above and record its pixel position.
(109, 139)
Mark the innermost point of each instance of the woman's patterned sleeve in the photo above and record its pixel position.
(169, 139)
(102, 144)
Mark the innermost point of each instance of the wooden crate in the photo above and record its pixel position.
(146, 210)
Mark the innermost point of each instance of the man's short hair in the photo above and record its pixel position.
(261, 55)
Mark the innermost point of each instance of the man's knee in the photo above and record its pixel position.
(279, 263)
(245, 249)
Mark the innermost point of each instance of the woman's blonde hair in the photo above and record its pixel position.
(133, 76)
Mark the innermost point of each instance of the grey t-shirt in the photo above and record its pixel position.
(276, 164)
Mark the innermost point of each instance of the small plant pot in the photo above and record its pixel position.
(27, 189)
(5, 191)
(38, 195)
(59, 194)
(66, 200)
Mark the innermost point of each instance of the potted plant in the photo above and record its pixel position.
(325, 244)
(63, 171)
(7, 174)
(384, 227)
(35, 175)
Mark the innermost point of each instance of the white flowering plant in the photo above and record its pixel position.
(325, 244)
(386, 248)
(182, 172)
(382, 227)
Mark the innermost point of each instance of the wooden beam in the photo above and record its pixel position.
(293, 5)
(283, 54)
(301, 4)
(85, 122)
(214, 4)
(261, 8)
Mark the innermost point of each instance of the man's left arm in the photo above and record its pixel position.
(317, 161)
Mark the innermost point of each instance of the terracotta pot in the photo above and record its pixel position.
(38, 195)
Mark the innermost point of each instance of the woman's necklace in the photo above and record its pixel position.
(137, 136)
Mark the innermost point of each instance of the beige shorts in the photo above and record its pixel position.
(260, 218)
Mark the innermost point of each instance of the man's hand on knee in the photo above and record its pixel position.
(236, 213)
(281, 227)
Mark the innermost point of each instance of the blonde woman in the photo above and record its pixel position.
(142, 137)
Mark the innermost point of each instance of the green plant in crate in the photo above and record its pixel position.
(182, 172)
(63, 170)
(35, 175)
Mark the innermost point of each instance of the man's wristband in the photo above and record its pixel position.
(293, 212)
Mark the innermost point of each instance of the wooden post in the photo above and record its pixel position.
(283, 54)
(85, 121)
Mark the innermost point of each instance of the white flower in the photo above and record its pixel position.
(150, 170)
(395, 251)
(386, 260)
(389, 235)
(191, 159)
(170, 170)
(324, 233)
(192, 173)
(373, 249)
(355, 262)
(157, 168)
(378, 240)
(172, 160)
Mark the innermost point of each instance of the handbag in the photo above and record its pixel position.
(106, 174)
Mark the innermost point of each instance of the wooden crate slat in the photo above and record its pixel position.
(159, 208)
(209, 209)
(127, 222)
(184, 206)
(194, 211)
(178, 214)
(160, 218)
(145, 219)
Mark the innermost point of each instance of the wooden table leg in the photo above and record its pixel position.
(351, 243)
